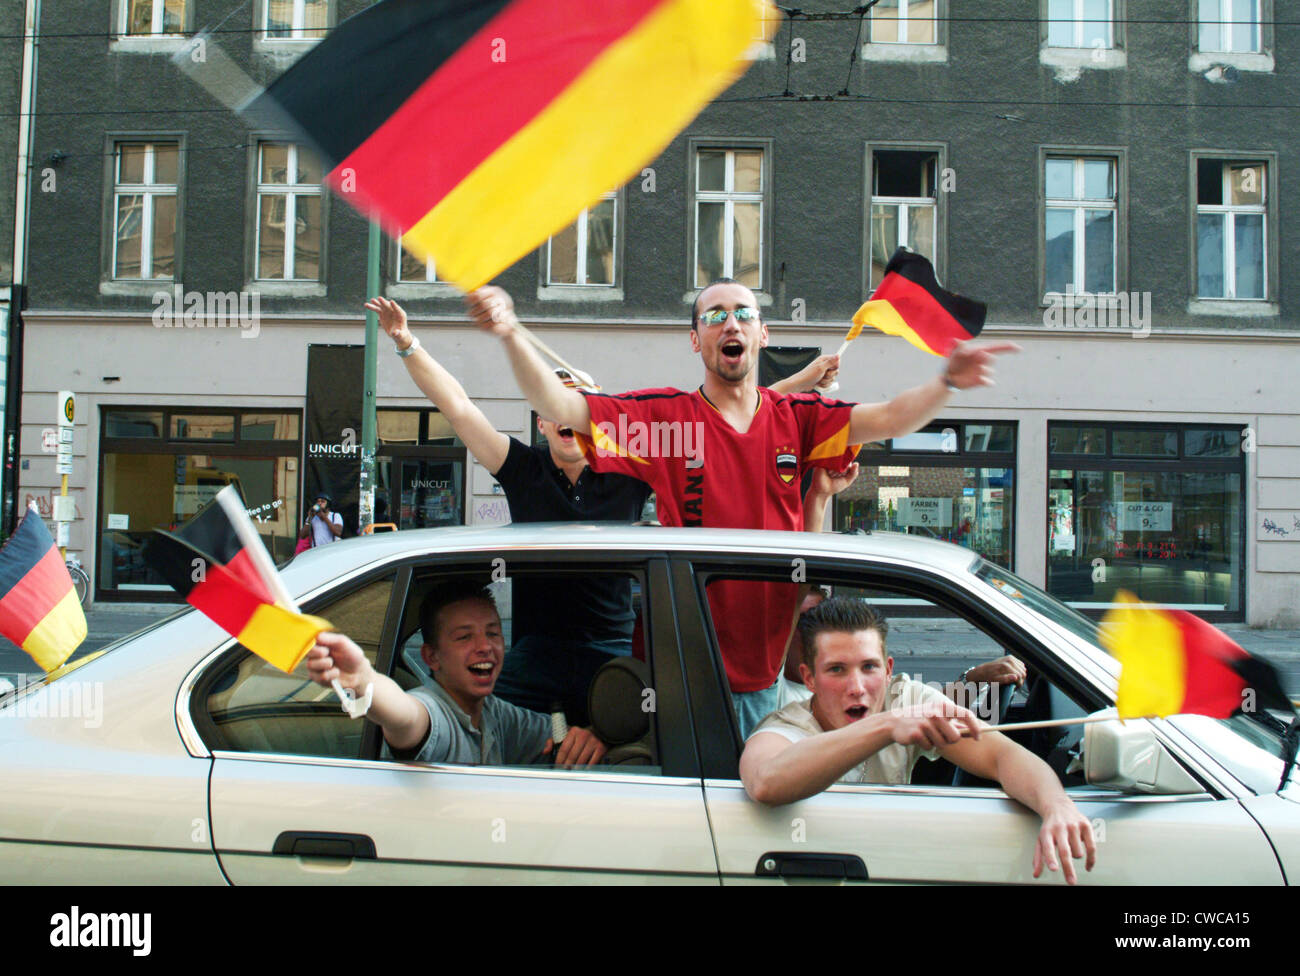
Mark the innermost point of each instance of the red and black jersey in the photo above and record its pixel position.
(704, 472)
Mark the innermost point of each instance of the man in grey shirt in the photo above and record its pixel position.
(459, 720)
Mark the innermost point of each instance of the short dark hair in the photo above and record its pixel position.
(444, 595)
(840, 615)
(695, 305)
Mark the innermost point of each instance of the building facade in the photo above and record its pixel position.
(1107, 175)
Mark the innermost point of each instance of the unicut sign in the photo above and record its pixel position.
(346, 447)
(430, 483)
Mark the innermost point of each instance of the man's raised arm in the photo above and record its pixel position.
(969, 365)
(444, 391)
(494, 311)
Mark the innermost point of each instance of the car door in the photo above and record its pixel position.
(346, 815)
(941, 832)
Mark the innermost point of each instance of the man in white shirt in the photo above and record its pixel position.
(323, 525)
(863, 724)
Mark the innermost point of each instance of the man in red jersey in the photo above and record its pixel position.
(740, 452)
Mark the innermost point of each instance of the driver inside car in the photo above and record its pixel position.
(863, 724)
(458, 720)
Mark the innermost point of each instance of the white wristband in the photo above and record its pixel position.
(415, 344)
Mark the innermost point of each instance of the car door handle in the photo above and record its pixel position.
(311, 843)
(783, 864)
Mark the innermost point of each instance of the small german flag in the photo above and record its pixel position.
(1175, 663)
(908, 302)
(206, 562)
(39, 609)
(478, 129)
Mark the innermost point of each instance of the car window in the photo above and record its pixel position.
(248, 705)
(935, 644)
(575, 641)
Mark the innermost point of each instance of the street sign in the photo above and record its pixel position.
(67, 408)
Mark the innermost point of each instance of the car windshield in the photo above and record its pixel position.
(1011, 585)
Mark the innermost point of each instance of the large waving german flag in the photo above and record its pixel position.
(39, 609)
(909, 302)
(478, 128)
(1173, 662)
(215, 571)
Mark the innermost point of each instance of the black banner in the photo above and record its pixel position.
(777, 362)
(332, 446)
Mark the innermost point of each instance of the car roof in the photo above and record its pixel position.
(339, 557)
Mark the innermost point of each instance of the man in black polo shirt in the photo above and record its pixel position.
(563, 628)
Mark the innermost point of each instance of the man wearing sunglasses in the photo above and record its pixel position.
(757, 443)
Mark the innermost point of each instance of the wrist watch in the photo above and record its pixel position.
(415, 344)
(952, 388)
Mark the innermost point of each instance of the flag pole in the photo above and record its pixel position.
(577, 374)
(366, 503)
(1056, 722)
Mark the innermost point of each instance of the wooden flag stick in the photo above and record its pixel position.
(1053, 723)
(546, 350)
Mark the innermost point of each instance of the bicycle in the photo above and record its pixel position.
(80, 580)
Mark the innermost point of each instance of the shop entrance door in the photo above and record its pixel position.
(420, 488)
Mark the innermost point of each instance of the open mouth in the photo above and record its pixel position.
(566, 433)
(732, 350)
(855, 712)
(483, 669)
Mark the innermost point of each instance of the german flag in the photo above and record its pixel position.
(39, 609)
(217, 574)
(1174, 662)
(477, 128)
(908, 302)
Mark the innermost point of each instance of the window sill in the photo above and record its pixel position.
(162, 44)
(1236, 308)
(579, 293)
(905, 53)
(415, 290)
(1080, 299)
(1203, 61)
(139, 287)
(283, 51)
(1070, 61)
(288, 289)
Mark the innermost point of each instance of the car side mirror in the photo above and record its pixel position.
(1126, 756)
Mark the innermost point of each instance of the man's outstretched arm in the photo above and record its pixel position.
(970, 365)
(775, 770)
(1066, 833)
(404, 720)
(494, 311)
(444, 391)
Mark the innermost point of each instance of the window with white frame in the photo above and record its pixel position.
(146, 18)
(904, 206)
(729, 216)
(1080, 23)
(584, 252)
(288, 213)
(412, 270)
(1233, 26)
(144, 210)
(294, 20)
(904, 22)
(1081, 226)
(1231, 229)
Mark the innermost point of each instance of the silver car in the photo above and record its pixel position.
(175, 756)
